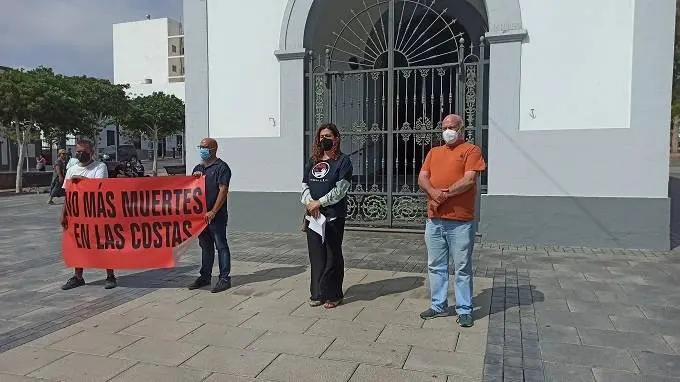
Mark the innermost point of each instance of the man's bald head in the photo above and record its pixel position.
(452, 121)
(209, 143)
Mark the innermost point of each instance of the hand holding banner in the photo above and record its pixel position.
(131, 223)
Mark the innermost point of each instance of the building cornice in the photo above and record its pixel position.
(288, 55)
(516, 35)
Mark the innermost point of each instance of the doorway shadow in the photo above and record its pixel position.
(375, 289)
(674, 195)
(178, 277)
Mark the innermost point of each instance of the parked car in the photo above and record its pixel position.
(125, 152)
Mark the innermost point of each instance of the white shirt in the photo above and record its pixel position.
(71, 162)
(94, 170)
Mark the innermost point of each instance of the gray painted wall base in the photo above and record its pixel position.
(634, 223)
(275, 212)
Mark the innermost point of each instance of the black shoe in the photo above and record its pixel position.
(110, 282)
(465, 321)
(199, 283)
(431, 313)
(221, 286)
(73, 282)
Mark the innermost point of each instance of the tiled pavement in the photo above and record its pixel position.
(544, 314)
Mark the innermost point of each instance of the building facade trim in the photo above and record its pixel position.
(518, 35)
(297, 54)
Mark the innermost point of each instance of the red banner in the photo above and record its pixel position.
(131, 223)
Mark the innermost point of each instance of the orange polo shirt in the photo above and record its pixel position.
(446, 166)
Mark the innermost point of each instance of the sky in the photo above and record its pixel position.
(73, 37)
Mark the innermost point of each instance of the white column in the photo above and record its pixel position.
(505, 76)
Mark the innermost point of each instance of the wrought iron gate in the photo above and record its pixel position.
(392, 73)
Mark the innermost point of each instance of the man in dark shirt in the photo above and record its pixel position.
(217, 176)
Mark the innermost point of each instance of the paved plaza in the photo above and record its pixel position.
(542, 314)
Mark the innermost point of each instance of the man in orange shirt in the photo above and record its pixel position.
(449, 178)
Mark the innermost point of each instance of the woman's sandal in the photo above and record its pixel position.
(332, 304)
(314, 304)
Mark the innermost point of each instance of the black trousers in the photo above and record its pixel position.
(328, 265)
(55, 189)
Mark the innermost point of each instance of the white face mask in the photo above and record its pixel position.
(450, 136)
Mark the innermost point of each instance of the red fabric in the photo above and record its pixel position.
(131, 223)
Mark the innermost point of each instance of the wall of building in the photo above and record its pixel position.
(197, 86)
(589, 165)
(174, 28)
(245, 100)
(595, 142)
(597, 76)
(140, 51)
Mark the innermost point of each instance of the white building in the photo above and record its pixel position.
(149, 56)
(569, 100)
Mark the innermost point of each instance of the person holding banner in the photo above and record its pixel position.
(85, 168)
(217, 177)
(325, 182)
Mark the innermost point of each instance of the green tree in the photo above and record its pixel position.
(155, 116)
(23, 99)
(102, 104)
(64, 112)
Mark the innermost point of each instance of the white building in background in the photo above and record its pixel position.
(148, 55)
(568, 99)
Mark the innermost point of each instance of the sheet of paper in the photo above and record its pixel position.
(318, 225)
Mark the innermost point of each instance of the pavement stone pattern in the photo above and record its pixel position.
(544, 313)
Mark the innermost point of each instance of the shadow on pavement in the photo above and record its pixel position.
(497, 300)
(178, 278)
(371, 291)
(490, 301)
(674, 194)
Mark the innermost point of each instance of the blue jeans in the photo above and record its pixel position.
(215, 236)
(446, 240)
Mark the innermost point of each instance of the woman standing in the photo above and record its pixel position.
(325, 183)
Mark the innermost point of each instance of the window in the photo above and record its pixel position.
(174, 49)
(174, 68)
(110, 138)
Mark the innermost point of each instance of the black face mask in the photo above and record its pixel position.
(326, 144)
(83, 157)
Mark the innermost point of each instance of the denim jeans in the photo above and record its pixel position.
(450, 240)
(215, 236)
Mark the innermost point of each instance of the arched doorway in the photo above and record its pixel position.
(386, 72)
